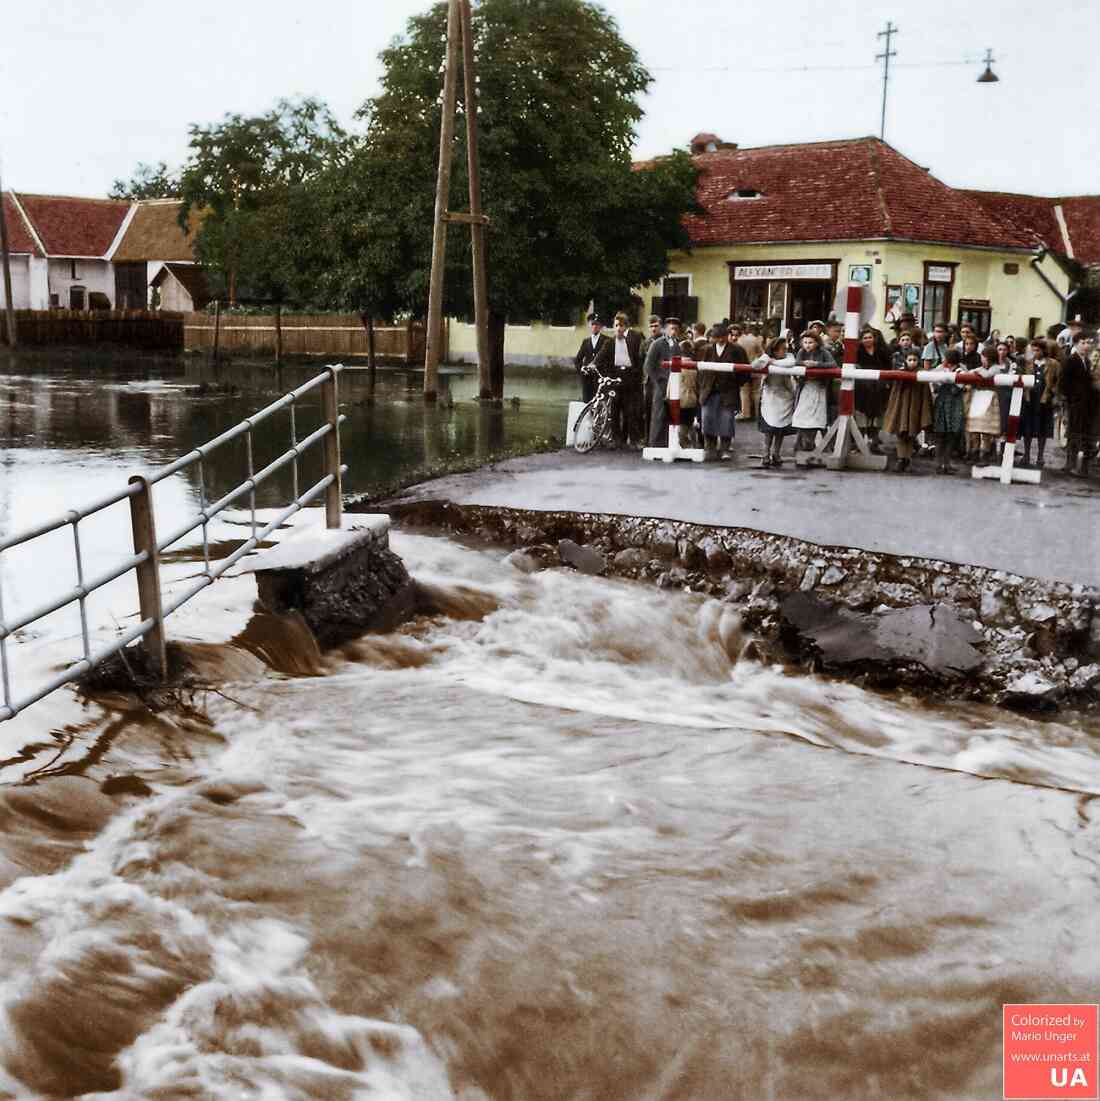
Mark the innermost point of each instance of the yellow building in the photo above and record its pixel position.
(783, 231)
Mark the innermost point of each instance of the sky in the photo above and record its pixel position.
(88, 88)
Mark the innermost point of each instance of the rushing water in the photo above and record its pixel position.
(555, 841)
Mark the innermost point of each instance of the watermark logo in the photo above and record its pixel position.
(1051, 1051)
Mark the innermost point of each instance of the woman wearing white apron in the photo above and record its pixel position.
(983, 418)
(811, 411)
(776, 401)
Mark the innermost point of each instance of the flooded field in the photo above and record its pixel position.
(557, 842)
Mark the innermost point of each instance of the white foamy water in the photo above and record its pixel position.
(554, 842)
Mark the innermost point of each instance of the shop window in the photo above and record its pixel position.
(977, 317)
(939, 280)
(750, 302)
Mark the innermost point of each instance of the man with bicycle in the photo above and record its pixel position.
(589, 349)
(621, 358)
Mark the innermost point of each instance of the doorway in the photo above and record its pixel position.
(809, 300)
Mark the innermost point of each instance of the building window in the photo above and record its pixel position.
(676, 286)
(938, 282)
(72, 270)
(76, 298)
(1012, 269)
(739, 194)
(975, 313)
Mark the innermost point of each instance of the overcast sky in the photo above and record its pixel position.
(88, 88)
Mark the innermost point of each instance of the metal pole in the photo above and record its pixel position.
(148, 574)
(217, 328)
(888, 34)
(442, 193)
(331, 412)
(9, 309)
(477, 227)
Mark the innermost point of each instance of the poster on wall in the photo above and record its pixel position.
(912, 297)
(895, 305)
(859, 275)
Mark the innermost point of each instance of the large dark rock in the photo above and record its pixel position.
(369, 590)
(582, 559)
(932, 636)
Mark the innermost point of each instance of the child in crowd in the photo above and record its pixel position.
(776, 401)
(947, 414)
(909, 406)
(983, 415)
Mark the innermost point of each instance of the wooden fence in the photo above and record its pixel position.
(333, 335)
(158, 330)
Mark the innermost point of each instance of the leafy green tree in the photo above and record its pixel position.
(572, 219)
(252, 176)
(149, 181)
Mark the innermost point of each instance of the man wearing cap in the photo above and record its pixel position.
(587, 352)
(656, 373)
(621, 357)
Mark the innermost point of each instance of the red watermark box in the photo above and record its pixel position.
(1051, 1051)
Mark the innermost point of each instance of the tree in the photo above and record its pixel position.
(250, 176)
(149, 181)
(571, 217)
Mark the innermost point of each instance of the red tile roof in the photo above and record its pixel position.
(1082, 214)
(19, 237)
(1036, 213)
(855, 190)
(70, 226)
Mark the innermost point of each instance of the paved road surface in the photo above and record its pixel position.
(1049, 531)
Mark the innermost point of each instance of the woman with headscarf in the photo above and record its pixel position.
(909, 407)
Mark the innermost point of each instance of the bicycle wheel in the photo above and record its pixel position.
(601, 423)
(584, 430)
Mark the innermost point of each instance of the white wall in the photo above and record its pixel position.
(39, 283)
(20, 282)
(92, 275)
(174, 296)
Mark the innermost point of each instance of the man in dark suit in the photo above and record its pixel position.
(621, 357)
(660, 351)
(587, 352)
(1075, 382)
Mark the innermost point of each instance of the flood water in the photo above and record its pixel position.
(556, 841)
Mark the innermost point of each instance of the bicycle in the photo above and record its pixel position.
(597, 413)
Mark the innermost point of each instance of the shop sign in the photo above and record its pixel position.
(939, 273)
(744, 272)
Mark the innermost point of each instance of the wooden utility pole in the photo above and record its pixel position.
(458, 30)
(434, 335)
(477, 225)
(5, 259)
(217, 327)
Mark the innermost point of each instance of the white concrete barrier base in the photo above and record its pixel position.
(674, 451)
(575, 410)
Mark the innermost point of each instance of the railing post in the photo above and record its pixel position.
(148, 573)
(331, 412)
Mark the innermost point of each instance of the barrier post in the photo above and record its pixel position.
(844, 432)
(148, 574)
(333, 495)
(674, 451)
(1005, 472)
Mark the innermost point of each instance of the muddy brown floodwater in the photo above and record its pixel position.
(554, 842)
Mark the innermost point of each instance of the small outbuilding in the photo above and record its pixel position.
(181, 287)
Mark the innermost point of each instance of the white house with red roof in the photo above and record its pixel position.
(70, 252)
(784, 229)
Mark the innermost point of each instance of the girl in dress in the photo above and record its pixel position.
(947, 413)
(776, 401)
(908, 409)
(983, 417)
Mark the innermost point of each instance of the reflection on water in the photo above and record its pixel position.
(552, 842)
(73, 430)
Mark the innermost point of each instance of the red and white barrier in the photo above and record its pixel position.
(1005, 472)
(674, 451)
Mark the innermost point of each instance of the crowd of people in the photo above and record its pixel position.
(948, 420)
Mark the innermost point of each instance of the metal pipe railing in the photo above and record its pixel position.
(145, 561)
